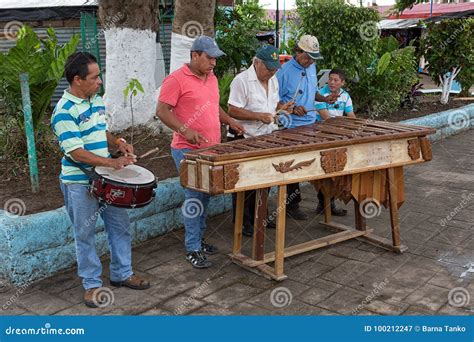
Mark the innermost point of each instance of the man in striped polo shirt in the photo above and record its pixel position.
(79, 122)
(343, 104)
(341, 107)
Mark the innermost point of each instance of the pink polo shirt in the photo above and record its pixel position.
(195, 103)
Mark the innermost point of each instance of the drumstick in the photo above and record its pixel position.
(159, 157)
(156, 149)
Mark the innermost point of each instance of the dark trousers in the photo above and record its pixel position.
(249, 204)
(293, 196)
(249, 207)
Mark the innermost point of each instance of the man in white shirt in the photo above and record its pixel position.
(253, 102)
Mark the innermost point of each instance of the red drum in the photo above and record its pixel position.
(130, 187)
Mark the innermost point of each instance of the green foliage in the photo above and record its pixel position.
(381, 90)
(379, 74)
(44, 61)
(338, 28)
(401, 5)
(386, 44)
(235, 34)
(383, 63)
(449, 44)
(134, 86)
(224, 89)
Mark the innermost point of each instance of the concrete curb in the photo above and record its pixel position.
(447, 123)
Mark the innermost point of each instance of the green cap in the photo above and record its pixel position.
(268, 54)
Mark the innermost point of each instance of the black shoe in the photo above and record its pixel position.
(270, 223)
(247, 231)
(208, 248)
(198, 259)
(296, 214)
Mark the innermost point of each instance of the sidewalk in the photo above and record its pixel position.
(351, 277)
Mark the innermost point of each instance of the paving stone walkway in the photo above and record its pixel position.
(351, 278)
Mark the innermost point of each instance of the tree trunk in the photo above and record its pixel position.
(191, 19)
(446, 82)
(130, 36)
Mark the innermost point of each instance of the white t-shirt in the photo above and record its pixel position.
(247, 92)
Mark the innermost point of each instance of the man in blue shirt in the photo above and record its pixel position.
(298, 82)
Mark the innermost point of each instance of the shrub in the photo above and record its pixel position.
(236, 31)
(44, 61)
(379, 74)
(224, 89)
(448, 48)
(340, 29)
(381, 90)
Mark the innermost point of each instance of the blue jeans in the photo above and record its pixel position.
(194, 210)
(83, 210)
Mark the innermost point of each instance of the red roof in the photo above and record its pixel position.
(421, 11)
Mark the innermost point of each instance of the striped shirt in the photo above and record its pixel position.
(79, 123)
(341, 107)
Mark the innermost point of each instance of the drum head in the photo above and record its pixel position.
(131, 174)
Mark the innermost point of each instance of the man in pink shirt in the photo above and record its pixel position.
(189, 105)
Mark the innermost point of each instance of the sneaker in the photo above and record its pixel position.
(296, 214)
(198, 259)
(208, 248)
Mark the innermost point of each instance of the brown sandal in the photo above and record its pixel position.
(133, 282)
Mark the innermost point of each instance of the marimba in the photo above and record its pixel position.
(350, 159)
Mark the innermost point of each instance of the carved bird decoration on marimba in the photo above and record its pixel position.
(284, 167)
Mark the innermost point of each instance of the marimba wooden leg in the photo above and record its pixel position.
(239, 221)
(280, 232)
(365, 233)
(360, 222)
(327, 202)
(258, 262)
(393, 195)
(261, 205)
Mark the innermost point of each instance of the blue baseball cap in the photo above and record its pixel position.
(207, 45)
